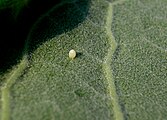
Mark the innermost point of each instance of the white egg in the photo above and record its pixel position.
(72, 54)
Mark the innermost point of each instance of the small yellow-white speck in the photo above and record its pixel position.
(72, 54)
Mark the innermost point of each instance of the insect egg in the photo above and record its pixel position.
(72, 54)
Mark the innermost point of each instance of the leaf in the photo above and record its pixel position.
(119, 71)
(140, 61)
(55, 87)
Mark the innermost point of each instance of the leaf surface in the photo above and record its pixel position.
(54, 86)
(140, 61)
(119, 72)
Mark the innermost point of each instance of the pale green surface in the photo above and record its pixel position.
(100, 83)
(118, 115)
(140, 62)
(55, 87)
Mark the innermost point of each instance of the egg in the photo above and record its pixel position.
(72, 54)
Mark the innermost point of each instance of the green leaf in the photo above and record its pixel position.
(54, 86)
(140, 61)
(119, 72)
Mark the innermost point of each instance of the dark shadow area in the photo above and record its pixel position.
(79, 54)
(57, 21)
(117, 52)
(14, 32)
